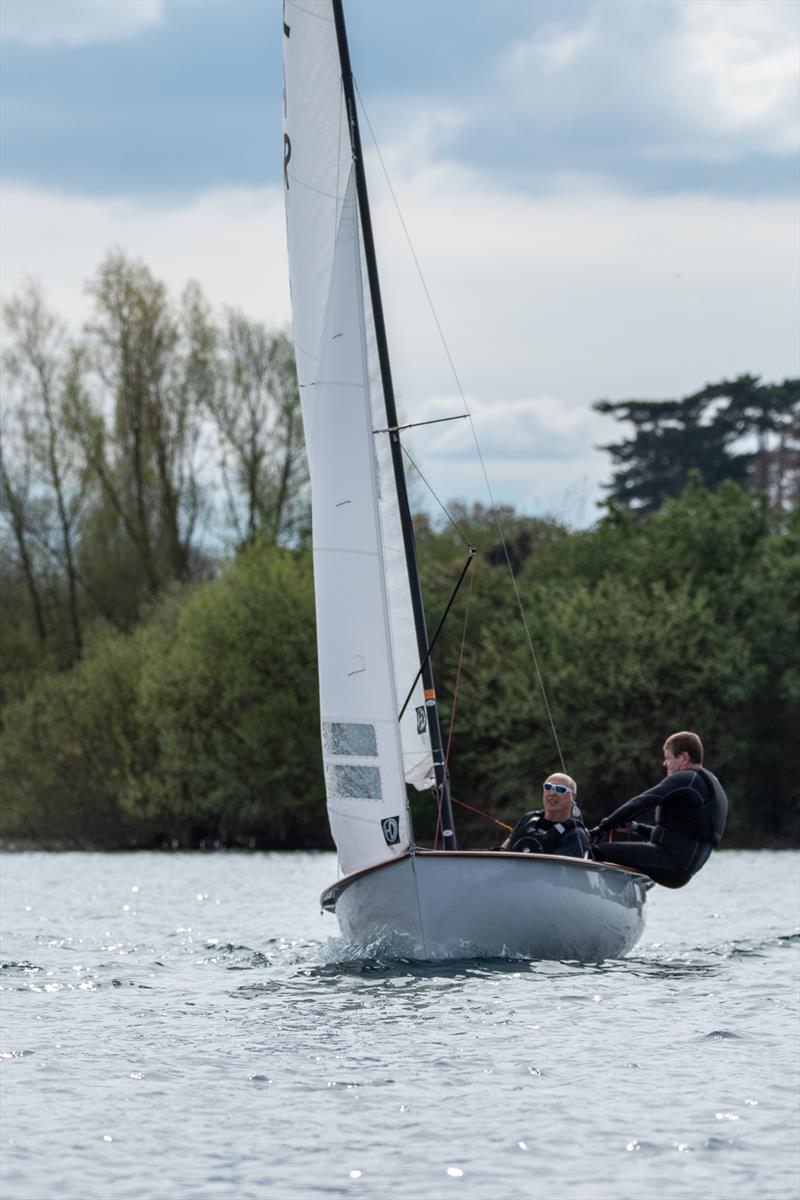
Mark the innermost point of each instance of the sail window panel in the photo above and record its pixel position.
(353, 782)
(349, 740)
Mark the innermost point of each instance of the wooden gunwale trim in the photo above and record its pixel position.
(331, 894)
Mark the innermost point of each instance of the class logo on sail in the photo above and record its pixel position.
(391, 830)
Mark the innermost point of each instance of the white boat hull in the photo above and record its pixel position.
(480, 904)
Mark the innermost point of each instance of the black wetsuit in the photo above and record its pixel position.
(691, 809)
(534, 834)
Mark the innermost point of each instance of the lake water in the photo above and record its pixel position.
(190, 1025)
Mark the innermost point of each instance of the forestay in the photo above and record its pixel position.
(367, 648)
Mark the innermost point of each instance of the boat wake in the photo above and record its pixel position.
(336, 957)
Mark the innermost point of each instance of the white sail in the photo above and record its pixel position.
(367, 649)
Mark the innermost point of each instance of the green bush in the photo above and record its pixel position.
(229, 711)
(202, 726)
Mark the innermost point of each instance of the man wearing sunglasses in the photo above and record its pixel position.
(555, 829)
(691, 809)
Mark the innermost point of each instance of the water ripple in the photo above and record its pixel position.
(721, 1035)
(234, 1045)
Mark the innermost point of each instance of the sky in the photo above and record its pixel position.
(602, 196)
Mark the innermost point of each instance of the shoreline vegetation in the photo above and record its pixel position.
(157, 694)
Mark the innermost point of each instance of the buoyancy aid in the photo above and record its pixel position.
(534, 834)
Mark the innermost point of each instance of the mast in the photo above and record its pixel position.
(434, 728)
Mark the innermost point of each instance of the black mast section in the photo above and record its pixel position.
(442, 783)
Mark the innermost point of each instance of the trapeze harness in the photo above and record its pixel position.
(534, 834)
(691, 810)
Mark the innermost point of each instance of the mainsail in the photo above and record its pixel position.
(366, 636)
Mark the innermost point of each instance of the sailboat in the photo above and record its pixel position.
(380, 727)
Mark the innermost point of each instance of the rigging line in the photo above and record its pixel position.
(453, 709)
(411, 248)
(439, 627)
(398, 470)
(450, 518)
(533, 654)
(481, 813)
(458, 673)
(493, 502)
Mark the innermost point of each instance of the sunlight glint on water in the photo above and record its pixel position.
(186, 1025)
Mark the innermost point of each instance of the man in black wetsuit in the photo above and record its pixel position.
(691, 809)
(554, 829)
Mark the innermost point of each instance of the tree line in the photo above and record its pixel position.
(134, 457)
(157, 658)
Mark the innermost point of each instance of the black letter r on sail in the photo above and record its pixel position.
(287, 154)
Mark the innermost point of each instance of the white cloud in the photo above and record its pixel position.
(689, 77)
(231, 241)
(588, 291)
(548, 302)
(76, 22)
(744, 59)
(549, 51)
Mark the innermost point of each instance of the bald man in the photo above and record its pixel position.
(554, 829)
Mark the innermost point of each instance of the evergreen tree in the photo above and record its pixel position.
(740, 429)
